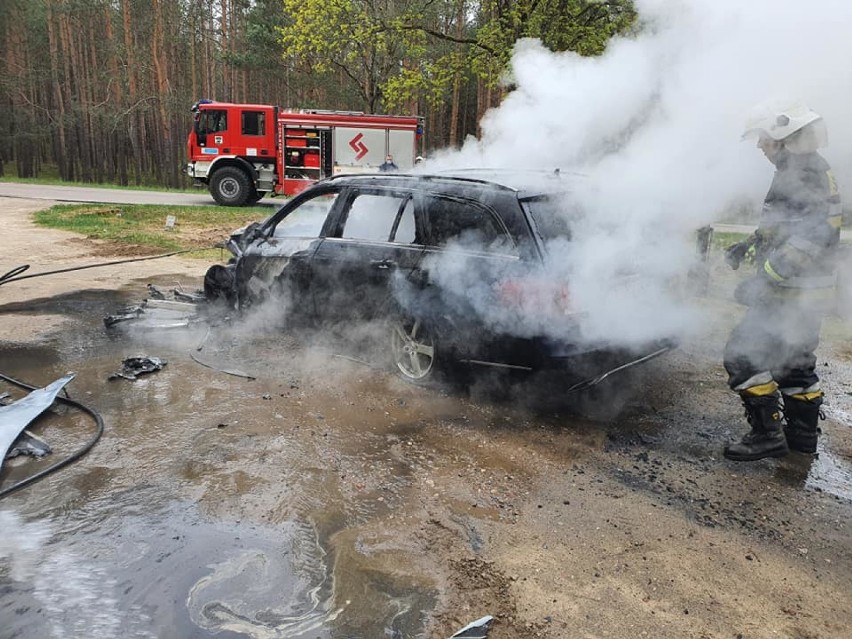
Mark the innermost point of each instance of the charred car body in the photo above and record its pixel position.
(451, 267)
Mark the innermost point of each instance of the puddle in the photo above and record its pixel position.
(828, 472)
(127, 569)
(831, 475)
(160, 531)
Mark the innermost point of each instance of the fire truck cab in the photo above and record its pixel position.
(242, 152)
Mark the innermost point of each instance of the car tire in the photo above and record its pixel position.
(219, 285)
(414, 351)
(230, 186)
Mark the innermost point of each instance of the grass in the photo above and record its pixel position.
(721, 241)
(141, 228)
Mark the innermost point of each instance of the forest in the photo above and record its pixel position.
(99, 91)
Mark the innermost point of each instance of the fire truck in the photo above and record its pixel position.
(242, 152)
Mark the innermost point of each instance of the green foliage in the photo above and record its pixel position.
(360, 39)
(722, 240)
(582, 26)
(399, 51)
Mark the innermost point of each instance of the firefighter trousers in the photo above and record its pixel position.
(775, 343)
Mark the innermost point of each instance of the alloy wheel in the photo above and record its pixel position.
(413, 349)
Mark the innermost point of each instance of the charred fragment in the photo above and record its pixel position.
(124, 315)
(133, 367)
(29, 444)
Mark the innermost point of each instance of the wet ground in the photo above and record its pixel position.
(327, 499)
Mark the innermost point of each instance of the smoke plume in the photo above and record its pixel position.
(654, 125)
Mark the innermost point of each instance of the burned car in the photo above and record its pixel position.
(451, 269)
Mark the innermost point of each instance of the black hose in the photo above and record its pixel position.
(64, 462)
(15, 271)
(10, 276)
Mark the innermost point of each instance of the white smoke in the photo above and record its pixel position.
(77, 598)
(655, 123)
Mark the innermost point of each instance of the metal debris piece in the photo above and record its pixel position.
(158, 311)
(154, 293)
(15, 417)
(29, 444)
(475, 629)
(171, 305)
(132, 367)
(234, 372)
(192, 298)
(203, 340)
(127, 313)
(157, 314)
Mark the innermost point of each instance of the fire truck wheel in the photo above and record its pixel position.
(230, 186)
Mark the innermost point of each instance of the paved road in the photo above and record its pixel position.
(126, 196)
(62, 193)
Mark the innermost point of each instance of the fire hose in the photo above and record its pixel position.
(14, 275)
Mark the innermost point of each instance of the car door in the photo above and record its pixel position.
(376, 243)
(276, 262)
(468, 252)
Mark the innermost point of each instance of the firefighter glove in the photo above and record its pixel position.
(736, 253)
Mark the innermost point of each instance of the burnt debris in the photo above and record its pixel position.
(132, 367)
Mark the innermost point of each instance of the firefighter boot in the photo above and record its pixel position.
(766, 437)
(801, 429)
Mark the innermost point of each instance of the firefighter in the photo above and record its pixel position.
(771, 351)
(388, 165)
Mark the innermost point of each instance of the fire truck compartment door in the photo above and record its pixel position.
(401, 147)
(354, 146)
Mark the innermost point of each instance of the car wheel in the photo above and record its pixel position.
(413, 350)
(230, 186)
(219, 284)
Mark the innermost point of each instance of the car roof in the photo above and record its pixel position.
(423, 181)
(525, 184)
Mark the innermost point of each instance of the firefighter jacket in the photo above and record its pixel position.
(799, 232)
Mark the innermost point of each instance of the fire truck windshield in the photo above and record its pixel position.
(211, 121)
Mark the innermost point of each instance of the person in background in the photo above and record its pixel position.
(388, 165)
(771, 350)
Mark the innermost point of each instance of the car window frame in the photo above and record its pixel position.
(418, 232)
(501, 224)
(335, 230)
(273, 220)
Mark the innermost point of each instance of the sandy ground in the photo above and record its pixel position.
(47, 250)
(461, 503)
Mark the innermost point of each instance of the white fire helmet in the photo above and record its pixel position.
(800, 128)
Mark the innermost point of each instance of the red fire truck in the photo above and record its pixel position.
(242, 152)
